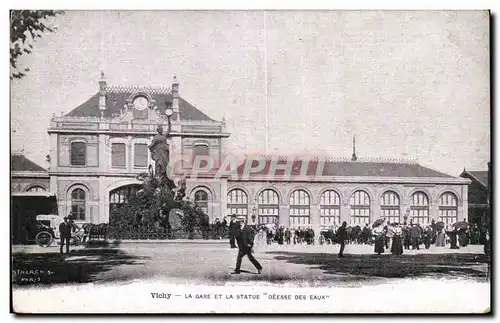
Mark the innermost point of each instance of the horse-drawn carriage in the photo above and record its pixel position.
(45, 231)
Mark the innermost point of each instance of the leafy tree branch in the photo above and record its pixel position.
(25, 27)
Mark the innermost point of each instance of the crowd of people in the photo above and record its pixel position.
(282, 235)
(398, 237)
(385, 236)
(382, 234)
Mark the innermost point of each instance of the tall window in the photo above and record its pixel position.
(36, 188)
(360, 208)
(201, 200)
(201, 150)
(448, 208)
(268, 207)
(78, 204)
(329, 208)
(140, 155)
(389, 205)
(419, 208)
(118, 156)
(237, 202)
(78, 153)
(119, 196)
(299, 209)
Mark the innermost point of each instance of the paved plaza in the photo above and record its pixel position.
(213, 261)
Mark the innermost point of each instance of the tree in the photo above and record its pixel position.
(25, 27)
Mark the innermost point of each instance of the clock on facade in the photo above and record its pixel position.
(140, 103)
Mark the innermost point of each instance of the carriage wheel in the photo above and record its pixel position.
(44, 239)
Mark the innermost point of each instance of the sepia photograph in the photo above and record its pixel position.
(250, 161)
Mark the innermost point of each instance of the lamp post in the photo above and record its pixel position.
(254, 210)
(168, 112)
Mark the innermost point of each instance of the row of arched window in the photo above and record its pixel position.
(299, 205)
(360, 207)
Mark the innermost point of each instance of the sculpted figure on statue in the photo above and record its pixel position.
(160, 153)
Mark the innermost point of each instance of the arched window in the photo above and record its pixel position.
(268, 207)
(201, 200)
(329, 208)
(202, 150)
(389, 206)
(299, 209)
(419, 208)
(237, 202)
(448, 208)
(360, 208)
(78, 153)
(78, 204)
(36, 188)
(120, 195)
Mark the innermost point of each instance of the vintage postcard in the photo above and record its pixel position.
(250, 161)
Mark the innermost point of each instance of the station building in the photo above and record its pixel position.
(98, 149)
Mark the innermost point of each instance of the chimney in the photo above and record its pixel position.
(175, 97)
(102, 94)
(354, 157)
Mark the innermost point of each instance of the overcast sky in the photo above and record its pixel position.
(407, 84)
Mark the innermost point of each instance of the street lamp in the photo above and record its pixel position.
(254, 210)
(169, 112)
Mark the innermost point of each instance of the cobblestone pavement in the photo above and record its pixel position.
(189, 262)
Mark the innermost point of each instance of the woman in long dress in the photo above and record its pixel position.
(379, 234)
(452, 233)
(397, 243)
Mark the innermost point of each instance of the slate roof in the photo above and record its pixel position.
(19, 163)
(334, 167)
(116, 98)
(480, 176)
(349, 168)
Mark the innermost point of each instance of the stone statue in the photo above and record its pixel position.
(181, 191)
(160, 153)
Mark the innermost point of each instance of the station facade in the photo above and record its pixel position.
(99, 148)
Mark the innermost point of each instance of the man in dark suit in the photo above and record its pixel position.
(234, 227)
(342, 237)
(244, 238)
(65, 234)
(415, 236)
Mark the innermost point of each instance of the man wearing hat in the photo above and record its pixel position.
(65, 234)
(245, 238)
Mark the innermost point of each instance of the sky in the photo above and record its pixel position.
(411, 84)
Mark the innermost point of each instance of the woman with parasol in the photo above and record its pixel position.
(379, 233)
